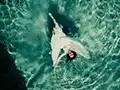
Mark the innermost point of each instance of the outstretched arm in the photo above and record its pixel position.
(57, 28)
(62, 55)
(56, 25)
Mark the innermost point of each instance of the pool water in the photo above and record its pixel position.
(27, 30)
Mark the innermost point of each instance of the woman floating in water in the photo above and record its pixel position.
(70, 47)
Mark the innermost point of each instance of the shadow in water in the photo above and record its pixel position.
(3, 2)
(10, 77)
(65, 21)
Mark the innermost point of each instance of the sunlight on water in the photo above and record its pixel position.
(95, 23)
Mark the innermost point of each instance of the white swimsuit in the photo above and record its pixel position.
(60, 40)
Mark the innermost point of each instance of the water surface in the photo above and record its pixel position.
(25, 29)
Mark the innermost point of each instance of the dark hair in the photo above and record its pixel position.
(69, 58)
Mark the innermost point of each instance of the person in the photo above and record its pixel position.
(69, 46)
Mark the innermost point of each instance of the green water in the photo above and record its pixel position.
(26, 31)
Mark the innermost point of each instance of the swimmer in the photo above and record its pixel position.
(60, 41)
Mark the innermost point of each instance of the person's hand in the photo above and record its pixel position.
(50, 15)
(54, 65)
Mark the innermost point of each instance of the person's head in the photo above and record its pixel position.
(71, 55)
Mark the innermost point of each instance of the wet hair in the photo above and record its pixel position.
(71, 58)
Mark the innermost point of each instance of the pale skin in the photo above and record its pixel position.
(67, 49)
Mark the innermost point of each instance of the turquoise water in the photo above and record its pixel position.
(25, 29)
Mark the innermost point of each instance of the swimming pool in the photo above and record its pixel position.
(27, 29)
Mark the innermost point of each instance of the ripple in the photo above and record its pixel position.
(24, 25)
